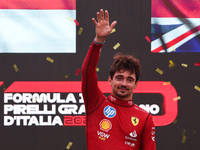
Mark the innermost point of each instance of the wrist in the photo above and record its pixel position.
(99, 40)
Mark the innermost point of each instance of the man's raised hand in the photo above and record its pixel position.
(103, 28)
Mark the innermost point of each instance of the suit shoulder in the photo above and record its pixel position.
(140, 110)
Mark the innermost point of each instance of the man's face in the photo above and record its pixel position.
(123, 84)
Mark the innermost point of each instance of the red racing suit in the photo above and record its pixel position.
(111, 123)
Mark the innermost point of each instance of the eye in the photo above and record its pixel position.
(118, 78)
(130, 80)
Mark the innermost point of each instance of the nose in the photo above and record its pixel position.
(124, 82)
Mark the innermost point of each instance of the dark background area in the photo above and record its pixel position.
(134, 23)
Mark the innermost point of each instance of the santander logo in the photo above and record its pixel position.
(133, 134)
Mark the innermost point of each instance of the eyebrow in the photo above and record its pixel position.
(129, 77)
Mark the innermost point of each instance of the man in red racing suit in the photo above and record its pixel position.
(114, 122)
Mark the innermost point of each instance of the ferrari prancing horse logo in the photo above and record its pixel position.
(134, 121)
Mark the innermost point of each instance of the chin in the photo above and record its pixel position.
(122, 95)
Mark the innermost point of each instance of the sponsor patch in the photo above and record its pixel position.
(105, 125)
(102, 136)
(130, 144)
(134, 121)
(133, 134)
(109, 111)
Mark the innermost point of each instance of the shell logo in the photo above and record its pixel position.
(105, 125)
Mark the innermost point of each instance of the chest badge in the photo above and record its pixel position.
(109, 111)
(134, 121)
(105, 125)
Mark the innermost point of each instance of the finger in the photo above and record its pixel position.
(102, 14)
(106, 15)
(113, 24)
(94, 21)
(98, 17)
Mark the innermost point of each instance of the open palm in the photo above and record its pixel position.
(103, 28)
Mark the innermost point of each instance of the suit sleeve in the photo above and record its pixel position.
(92, 95)
(148, 136)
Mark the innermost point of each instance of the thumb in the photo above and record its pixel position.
(113, 24)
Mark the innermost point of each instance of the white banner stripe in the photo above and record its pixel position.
(171, 35)
(37, 31)
(174, 21)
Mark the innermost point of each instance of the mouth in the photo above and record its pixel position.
(123, 88)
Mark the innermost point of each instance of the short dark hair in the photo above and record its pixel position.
(125, 62)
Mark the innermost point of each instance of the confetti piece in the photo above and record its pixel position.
(15, 67)
(4, 87)
(171, 64)
(76, 22)
(70, 19)
(113, 30)
(116, 46)
(50, 59)
(167, 83)
(66, 76)
(184, 139)
(175, 121)
(159, 71)
(80, 31)
(193, 133)
(173, 48)
(69, 145)
(97, 69)
(184, 131)
(197, 88)
(147, 38)
(184, 65)
(77, 72)
(177, 98)
(197, 64)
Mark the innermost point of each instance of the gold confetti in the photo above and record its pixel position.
(70, 19)
(171, 64)
(184, 139)
(173, 48)
(193, 133)
(197, 88)
(177, 98)
(49, 59)
(97, 69)
(159, 71)
(4, 87)
(66, 76)
(184, 131)
(113, 30)
(15, 67)
(69, 145)
(184, 65)
(80, 31)
(167, 83)
(116, 46)
(175, 121)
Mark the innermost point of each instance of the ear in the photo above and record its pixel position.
(110, 80)
(136, 84)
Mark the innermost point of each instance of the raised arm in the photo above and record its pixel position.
(91, 93)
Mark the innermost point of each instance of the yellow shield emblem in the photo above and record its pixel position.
(134, 121)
